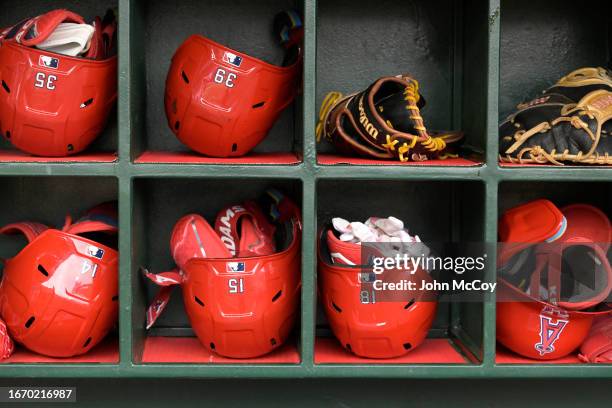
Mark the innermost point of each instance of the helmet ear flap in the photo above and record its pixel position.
(43, 26)
(31, 230)
(193, 237)
(346, 253)
(245, 230)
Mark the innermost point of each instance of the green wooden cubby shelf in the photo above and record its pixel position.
(475, 62)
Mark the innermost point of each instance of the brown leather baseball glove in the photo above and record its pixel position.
(571, 122)
(384, 122)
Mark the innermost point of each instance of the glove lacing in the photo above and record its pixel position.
(327, 105)
(539, 155)
(433, 144)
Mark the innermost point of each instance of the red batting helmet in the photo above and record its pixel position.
(239, 306)
(547, 302)
(58, 296)
(364, 326)
(220, 102)
(52, 104)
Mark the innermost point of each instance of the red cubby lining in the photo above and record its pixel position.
(432, 351)
(193, 158)
(105, 352)
(331, 159)
(189, 350)
(13, 156)
(574, 166)
(505, 356)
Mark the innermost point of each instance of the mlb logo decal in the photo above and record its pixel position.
(49, 62)
(233, 59)
(95, 252)
(234, 267)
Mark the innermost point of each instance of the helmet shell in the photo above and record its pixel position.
(51, 104)
(58, 296)
(243, 307)
(539, 330)
(220, 102)
(373, 330)
(527, 325)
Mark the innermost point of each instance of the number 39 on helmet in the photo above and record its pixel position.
(220, 102)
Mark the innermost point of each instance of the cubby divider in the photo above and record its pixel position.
(470, 70)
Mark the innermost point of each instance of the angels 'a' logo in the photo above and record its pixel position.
(549, 334)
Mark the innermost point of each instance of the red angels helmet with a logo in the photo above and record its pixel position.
(52, 104)
(545, 308)
(58, 296)
(364, 326)
(540, 330)
(240, 285)
(221, 102)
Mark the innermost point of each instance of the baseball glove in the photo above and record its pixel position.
(570, 122)
(384, 121)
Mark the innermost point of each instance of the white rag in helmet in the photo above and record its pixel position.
(69, 39)
(390, 230)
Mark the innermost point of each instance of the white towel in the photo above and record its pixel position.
(385, 230)
(373, 230)
(69, 39)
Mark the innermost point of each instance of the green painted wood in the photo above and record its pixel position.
(234, 371)
(491, 196)
(466, 38)
(59, 169)
(127, 116)
(309, 193)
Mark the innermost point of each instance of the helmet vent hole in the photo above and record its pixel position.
(409, 304)
(5, 86)
(278, 294)
(198, 301)
(407, 346)
(87, 342)
(174, 108)
(87, 103)
(348, 347)
(70, 147)
(8, 134)
(177, 125)
(234, 147)
(29, 322)
(212, 345)
(273, 341)
(42, 270)
(259, 105)
(114, 299)
(335, 306)
(184, 75)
